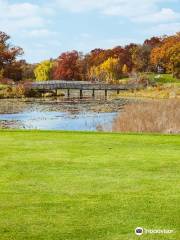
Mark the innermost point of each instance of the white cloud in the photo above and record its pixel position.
(20, 16)
(18, 25)
(81, 5)
(42, 50)
(89, 42)
(41, 33)
(140, 9)
(164, 15)
(30, 24)
(165, 29)
(129, 8)
(20, 10)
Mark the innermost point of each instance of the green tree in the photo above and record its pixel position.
(43, 71)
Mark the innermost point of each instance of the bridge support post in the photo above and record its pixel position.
(81, 93)
(93, 93)
(106, 94)
(68, 93)
(118, 91)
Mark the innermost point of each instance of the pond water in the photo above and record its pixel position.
(59, 114)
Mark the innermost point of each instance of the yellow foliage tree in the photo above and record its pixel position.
(109, 71)
(43, 71)
(125, 69)
(95, 74)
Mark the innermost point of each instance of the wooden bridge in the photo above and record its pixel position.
(81, 85)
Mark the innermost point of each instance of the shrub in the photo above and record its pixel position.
(6, 81)
(156, 116)
(141, 79)
(18, 91)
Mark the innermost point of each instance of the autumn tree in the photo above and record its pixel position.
(1, 73)
(96, 57)
(125, 69)
(112, 69)
(67, 67)
(13, 71)
(153, 42)
(95, 74)
(109, 71)
(174, 59)
(166, 55)
(43, 71)
(140, 56)
(8, 56)
(123, 56)
(27, 70)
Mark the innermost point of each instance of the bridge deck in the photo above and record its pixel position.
(80, 85)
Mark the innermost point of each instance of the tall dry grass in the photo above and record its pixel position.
(162, 116)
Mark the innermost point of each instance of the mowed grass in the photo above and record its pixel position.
(88, 186)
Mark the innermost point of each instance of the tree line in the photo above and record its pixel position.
(157, 54)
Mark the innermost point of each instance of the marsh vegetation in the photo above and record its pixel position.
(161, 116)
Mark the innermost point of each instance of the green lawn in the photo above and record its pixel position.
(3, 86)
(88, 186)
(163, 78)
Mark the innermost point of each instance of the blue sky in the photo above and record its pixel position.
(46, 28)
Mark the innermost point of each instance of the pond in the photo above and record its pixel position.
(59, 114)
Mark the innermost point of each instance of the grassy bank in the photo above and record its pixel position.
(163, 78)
(57, 185)
(164, 86)
(164, 91)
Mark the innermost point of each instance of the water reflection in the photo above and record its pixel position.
(55, 114)
(58, 121)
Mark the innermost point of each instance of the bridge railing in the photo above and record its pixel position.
(53, 85)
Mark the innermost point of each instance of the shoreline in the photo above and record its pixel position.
(88, 132)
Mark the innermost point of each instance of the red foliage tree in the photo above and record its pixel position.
(67, 67)
(95, 57)
(153, 42)
(8, 54)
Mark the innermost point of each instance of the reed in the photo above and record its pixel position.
(161, 116)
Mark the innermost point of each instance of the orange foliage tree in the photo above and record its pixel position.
(167, 54)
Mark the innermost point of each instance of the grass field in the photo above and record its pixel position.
(167, 87)
(163, 78)
(3, 86)
(88, 186)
